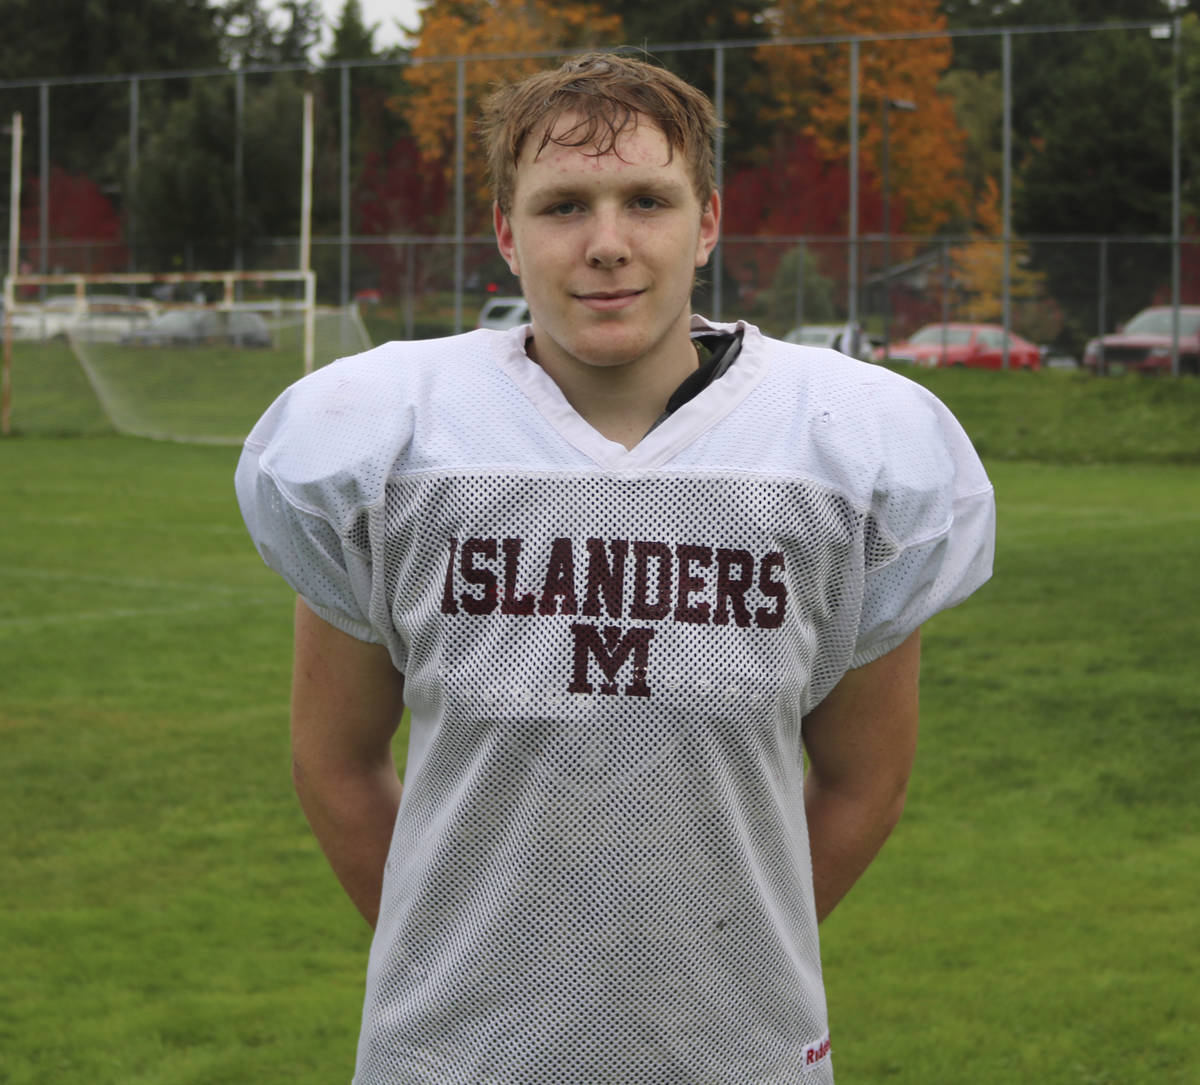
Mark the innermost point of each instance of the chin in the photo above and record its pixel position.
(609, 355)
(604, 347)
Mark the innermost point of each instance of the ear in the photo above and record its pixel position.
(505, 241)
(710, 229)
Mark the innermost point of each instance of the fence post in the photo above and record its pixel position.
(460, 123)
(801, 261)
(1176, 123)
(1006, 46)
(131, 183)
(44, 180)
(239, 110)
(945, 290)
(14, 244)
(719, 103)
(852, 260)
(345, 185)
(1102, 305)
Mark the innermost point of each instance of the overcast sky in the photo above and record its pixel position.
(383, 12)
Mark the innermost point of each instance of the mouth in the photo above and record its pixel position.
(608, 300)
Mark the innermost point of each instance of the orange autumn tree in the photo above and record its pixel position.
(812, 90)
(978, 274)
(488, 32)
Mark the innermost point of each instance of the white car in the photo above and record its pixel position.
(98, 317)
(848, 338)
(503, 313)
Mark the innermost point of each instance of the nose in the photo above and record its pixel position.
(607, 245)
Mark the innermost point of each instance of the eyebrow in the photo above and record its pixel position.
(652, 183)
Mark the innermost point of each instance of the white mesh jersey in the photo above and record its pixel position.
(600, 868)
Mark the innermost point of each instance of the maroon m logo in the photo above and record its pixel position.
(612, 653)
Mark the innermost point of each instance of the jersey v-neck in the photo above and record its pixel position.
(699, 403)
(718, 351)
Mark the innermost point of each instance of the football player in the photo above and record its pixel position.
(650, 587)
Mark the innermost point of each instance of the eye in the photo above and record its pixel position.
(647, 203)
(562, 210)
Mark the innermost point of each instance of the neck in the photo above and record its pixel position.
(623, 401)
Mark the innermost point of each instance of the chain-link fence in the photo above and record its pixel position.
(863, 181)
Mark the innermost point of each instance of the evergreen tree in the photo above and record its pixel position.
(747, 134)
(89, 124)
(1100, 163)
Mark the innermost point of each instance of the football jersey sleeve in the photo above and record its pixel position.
(311, 472)
(305, 549)
(931, 532)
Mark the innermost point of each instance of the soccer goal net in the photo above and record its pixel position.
(194, 356)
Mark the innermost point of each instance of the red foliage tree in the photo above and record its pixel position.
(797, 192)
(85, 232)
(400, 192)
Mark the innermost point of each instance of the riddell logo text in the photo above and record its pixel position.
(814, 1053)
(696, 584)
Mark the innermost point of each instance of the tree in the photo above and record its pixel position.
(82, 217)
(353, 39)
(978, 108)
(400, 192)
(978, 272)
(800, 292)
(796, 192)
(747, 132)
(186, 187)
(1100, 163)
(490, 29)
(375, 126)
(43, 39)
(982, 53)
(251, 35)
(812, 91)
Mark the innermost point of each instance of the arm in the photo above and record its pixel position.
(861, 740)
(347, 700)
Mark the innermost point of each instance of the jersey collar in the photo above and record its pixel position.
(671, 434)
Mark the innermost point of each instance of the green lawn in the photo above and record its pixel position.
(196, 393)
(168, 919)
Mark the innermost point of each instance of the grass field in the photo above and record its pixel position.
(191, 393)
(168, 919)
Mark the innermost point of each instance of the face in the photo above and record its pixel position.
(606, 247)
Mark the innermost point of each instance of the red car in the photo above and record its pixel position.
(978, 345)
(1144, 344)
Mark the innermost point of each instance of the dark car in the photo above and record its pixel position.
(977, 345)
(1144, 344)
(194, 327)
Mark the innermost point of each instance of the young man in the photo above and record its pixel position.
(626, 568)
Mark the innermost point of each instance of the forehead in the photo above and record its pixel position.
(641, 149)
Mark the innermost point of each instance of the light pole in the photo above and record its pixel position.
(905, 105)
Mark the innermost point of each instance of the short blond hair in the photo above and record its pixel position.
(608, 92)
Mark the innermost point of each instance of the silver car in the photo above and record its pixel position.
(848, 338)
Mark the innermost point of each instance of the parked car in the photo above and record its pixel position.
(978, 345)
(99, 316)
(52, 319)
(193, 327)
(1144, 344)
(503, 313)
(848, 338)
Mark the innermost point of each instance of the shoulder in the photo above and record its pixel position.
(335, 434)
(881, 440)
(845, 421)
